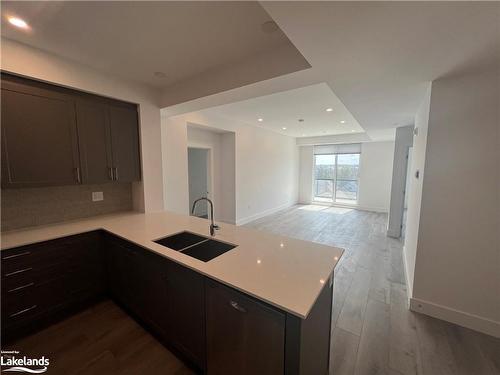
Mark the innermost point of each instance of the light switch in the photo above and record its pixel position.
(97, 196)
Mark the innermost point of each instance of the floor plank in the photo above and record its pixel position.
(403, 352)
(373, 352)
(100, 340)
(344, 352)
(352, 315)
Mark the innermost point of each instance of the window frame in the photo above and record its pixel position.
(334, 180)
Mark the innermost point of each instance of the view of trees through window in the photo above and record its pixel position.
(336, 178)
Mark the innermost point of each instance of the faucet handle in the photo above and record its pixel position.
(216, 227)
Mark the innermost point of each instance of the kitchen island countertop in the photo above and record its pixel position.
(284, 272)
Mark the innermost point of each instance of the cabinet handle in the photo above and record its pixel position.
(116, 173)
(17, 255)
(20, 271)
(236, 306)
(78, 177)
(110, 169)
(23, 311)
(20, 287)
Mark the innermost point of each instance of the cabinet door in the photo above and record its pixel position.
(154, 297)
(123, 272)
(94, 141)
(187, 312)
(39, 140)
(125, 143)
(244, 336)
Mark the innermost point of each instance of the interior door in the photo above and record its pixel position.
(124, 131)
(39, 136)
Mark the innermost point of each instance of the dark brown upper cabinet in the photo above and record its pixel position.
(55, 136)
(108, 140)
(39, 136)
(124, 143)
(94, 141)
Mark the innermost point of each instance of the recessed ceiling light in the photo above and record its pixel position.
(260, 119)
(342, 122)
(329, 109)
(159, 74)
(353, 131)
(284, 128)
(18, 22)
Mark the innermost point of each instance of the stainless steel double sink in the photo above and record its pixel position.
(195, 245)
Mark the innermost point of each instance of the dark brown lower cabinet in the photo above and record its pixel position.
(186, 302)
(243, 336)
(43, 281)
(165, 296)
(216, 329)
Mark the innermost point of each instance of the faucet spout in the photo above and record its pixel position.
(213, 226)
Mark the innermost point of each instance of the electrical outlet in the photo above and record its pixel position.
(97, 196)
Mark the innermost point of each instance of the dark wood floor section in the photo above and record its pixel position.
(102, 340)
(373, 331)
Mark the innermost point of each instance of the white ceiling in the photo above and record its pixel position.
(378, 57)
(135, 39)
(284, 109)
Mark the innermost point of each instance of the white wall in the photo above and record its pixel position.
(228, 166)
(222, 175)
(175, 165)
(415, 193)
(375, 175)
(457, 265)
(31, 62)
(266, 172)
(404, 140)
(306, 174)
(265, 164)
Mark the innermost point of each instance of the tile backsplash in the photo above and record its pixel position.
(38, 206)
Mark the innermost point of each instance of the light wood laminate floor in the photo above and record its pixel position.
(373, 331)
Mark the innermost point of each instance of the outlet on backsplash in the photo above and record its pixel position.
(97, 196)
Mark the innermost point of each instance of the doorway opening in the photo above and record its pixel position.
(199, 177)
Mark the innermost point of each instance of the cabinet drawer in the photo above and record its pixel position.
(16, 261)
(32, 299)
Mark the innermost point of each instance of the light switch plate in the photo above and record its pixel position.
(97, 196)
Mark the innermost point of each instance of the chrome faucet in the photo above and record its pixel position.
(213, 226)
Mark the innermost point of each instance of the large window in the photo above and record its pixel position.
(336, 175)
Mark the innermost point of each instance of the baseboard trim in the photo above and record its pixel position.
(474, 322)
(352, 206)
(394, 233)
(259, 215)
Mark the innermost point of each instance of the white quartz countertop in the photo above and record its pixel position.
(281, 271)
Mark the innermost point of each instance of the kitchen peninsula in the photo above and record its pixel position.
(263, 307)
